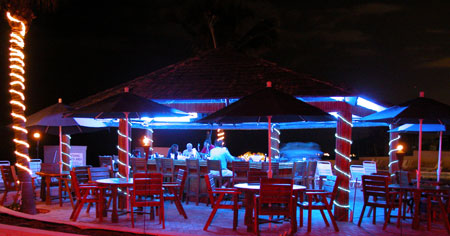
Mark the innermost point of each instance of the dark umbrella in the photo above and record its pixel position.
(51, 120)
(126, 105)
(268, 105)
(415, 128)
(420, 110)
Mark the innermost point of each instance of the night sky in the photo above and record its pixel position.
(387, 51)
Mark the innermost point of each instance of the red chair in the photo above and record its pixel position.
(148, 192)
(216, 196)
(376, 186)
(10, 181)
(86, 194)
(317, 200)
(176, 196)
(275, 198)
(240, 171)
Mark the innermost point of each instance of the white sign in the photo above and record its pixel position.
(77, 159)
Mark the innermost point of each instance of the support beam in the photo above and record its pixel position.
(393, 143)
(343, 149)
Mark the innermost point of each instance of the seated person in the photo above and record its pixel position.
(207, 146)
(221, 153)
(190, 152)
(173, 152)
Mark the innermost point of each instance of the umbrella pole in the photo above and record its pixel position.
(127, 169)
(60, 149)
(269, 119)
(439, 157)
(419, 159)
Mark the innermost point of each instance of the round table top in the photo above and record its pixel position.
(257, 186)
(115, 181)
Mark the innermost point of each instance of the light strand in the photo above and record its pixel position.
(17, 72)
(347, 158)
(123, 135)
(393, 150)
(277, 150)
(67, 154)
(220, 135)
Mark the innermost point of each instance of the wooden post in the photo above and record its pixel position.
(66, 152)
(393, 143)
(123, 170)
(344, 130)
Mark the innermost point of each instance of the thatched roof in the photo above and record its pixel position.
(217, 74)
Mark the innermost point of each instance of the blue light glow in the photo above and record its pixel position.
(369, 105)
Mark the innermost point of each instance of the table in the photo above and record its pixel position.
(115, 183)
(417, 192)
(45, 185)
(250, 190)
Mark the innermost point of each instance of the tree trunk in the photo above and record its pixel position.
(17, 88)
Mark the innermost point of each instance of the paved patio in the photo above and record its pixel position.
(222, 223)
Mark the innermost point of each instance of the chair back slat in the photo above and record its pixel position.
(240, 171)
(106, 161)
(375, 186)
(213, 165)
(167, 166)
(181, 179)
(96, 173)
(9, 177)
(276, 191)
(81, 173)
(210, 187)
(370, 167)
(192, 166)
(256, 176)
(147, 184)
(324, 168)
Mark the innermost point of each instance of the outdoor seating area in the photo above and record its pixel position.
(157, 206)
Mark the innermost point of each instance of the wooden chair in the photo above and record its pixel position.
(3, 163)
(194, 176)
(52, 168)
(167, 169)
(35, 166)
(10, 181)
(376, 186)
(82, 174)
(256, 176)
(216, 197)
(106, 161)
(356, 172)
(318, 200)
(145, 185)
(370, 167)
(96, 173)
(240, 171)
(215, 166)
(86, 194)
(299, 172)
(275, 198)
(181, 180)
(311, 175)
(275, 168)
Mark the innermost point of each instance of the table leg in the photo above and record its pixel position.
(416, 217)
(114, 216)
(47, 196)
(249, 210)
(43, 188)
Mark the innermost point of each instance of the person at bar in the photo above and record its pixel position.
(190, 152)
(173, 152)
(219, 152)
(207, 146)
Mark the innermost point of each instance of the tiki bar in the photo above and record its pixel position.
(144, 178)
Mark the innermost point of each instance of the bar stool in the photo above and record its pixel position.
(194, 176)
(167, 169)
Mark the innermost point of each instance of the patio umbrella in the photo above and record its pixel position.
(124, 106)
(50, 120)
(268, 105)
(415, 128)
(420, 110)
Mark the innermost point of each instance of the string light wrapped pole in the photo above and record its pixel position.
(343, 148)
(17, 89)
(66, 157)
(393, 144)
